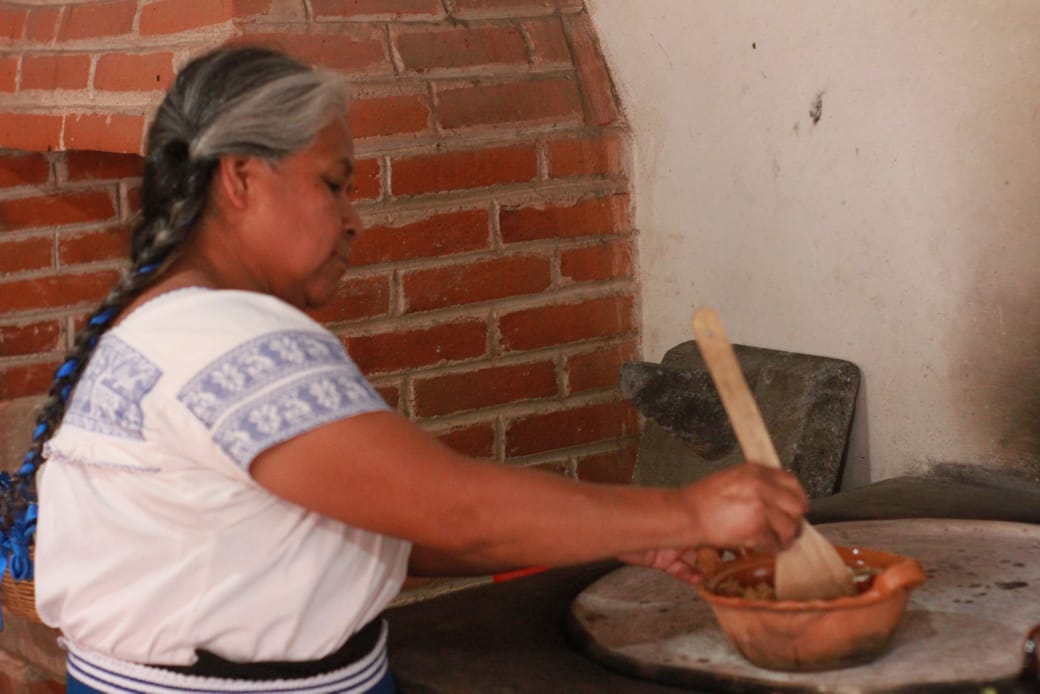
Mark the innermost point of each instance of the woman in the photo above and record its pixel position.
(227, 505)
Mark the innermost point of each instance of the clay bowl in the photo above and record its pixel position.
(813, 635)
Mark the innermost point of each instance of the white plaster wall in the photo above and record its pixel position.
(901, 231)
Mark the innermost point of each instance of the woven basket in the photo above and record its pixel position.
(19, 597)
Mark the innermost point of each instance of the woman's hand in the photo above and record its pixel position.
(748, 505)
(690, 565)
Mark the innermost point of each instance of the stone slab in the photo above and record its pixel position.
(806, 401)
(946, 491)
(964, 628)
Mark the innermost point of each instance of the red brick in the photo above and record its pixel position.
(250, 8)
(55, 291)
(590, 217)
(550, 101)
(433, 173)
(79, 320)
(614, 467)
(12, 22)
(553, 467)
(25, 254)
(355, 298)
(425, 49)
(548, 43)
(173, 16)
(604, 261)
(557, 325)
(30, 338)
(410, 349)
(134, 71)
(108, 132)
(133, 199)
(30, 131)
(60, 71)
(485, 280)
(8, 73)
(501, 8)
(598, 369)
(592, 156)
(596, 86)
(391, 115)
(395, 9)
(472, 390)
(23, 169)
(101, 166)
(332, 50)
(50, 210)
(440, 235)
(25, 380)
(94, 19)
(570, 427)
(366, 182)
(42, 25)
(91, 246)
(476, 440)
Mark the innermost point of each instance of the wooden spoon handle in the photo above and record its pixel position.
(811, 567)
(729, 379)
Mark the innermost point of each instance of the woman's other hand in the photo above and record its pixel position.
(690, 565)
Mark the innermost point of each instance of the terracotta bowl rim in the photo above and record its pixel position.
(866, 598)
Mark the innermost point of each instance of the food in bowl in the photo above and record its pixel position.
(862, 580)
(811, 635)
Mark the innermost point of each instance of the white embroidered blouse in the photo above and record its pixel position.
(153, 540)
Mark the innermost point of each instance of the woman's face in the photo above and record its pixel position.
(303, 220)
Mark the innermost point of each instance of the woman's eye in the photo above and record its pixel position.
(334, 186)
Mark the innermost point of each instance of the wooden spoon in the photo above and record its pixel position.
(810, 568)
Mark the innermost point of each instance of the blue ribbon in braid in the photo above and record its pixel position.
(29, 464)
(39, 431)
(16, 540)
(15, 545)
(66, 369)
(102, 317)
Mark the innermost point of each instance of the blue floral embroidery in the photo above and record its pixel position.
(307, 402)
(274, 387)
(241, 373)
(108, 396)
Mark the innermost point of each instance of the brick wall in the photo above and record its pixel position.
(493, 297)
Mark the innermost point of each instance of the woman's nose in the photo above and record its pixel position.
(352, 224)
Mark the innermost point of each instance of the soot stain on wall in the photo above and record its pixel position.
(816, 108)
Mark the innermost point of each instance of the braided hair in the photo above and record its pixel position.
(235, 100)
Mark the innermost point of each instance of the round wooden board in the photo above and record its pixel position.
(964, 626)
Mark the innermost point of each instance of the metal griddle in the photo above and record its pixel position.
(963, 629)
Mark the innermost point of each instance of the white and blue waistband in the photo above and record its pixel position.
(114, 676)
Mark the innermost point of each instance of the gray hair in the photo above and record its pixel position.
(243, 100)
(237, 100)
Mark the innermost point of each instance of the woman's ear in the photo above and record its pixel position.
(236, 179)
